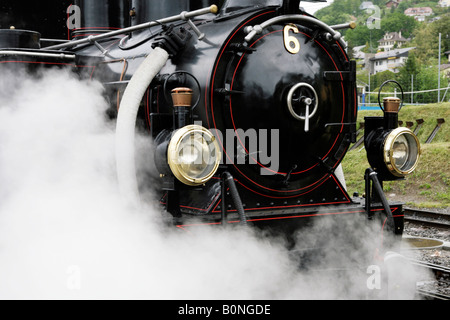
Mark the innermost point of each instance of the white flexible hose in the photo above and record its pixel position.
(126, 123)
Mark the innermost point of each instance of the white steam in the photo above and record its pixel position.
(65, 233)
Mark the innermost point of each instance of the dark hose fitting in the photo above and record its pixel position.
(227, 179)
(372, 175)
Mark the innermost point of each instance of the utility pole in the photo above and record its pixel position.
(439, 70)
(412, 88)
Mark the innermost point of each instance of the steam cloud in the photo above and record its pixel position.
(65, 233)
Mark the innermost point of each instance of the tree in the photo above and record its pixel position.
(347, 7)
(362, 35)
(427, 79)
(334, 18)
(403, 6)
(426, 39)
(397, 22)
(378, 79)
(421, 77)
(411, 66)
(410, 69)
(426, 43)
(442, 26)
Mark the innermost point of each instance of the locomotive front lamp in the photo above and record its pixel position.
(188, 152)
(193, 155)
(392, 151)
(401, 149)
(401, 152)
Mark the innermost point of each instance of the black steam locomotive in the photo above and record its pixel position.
(251, 105)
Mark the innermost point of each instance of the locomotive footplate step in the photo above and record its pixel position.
(290, 220)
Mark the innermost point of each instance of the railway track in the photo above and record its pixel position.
(437, 288)
(428, 218)
(430, 295)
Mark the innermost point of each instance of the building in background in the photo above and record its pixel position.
(390, 60)
(419, 13)
(392, 3)
(391, 40)
(444, 3)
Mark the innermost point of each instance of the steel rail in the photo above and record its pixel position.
(430, 218)
(429, 295)
(441, 273)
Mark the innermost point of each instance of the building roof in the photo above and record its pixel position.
(391, 54)
(393, 36)
(418, 11)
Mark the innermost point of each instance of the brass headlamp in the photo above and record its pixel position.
(193, 155)
(393, 151)
(188, 152)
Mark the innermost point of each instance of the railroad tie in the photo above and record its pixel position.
(436, 129)
(419, 125)
(361, 139)
(361, 128)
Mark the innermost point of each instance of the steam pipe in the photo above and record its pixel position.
(253, 31)
(37, 54)
(379, 190)
(224, 207)
(92, 39)
(126, 122)
(348, 25)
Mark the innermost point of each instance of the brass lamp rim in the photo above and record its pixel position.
(388, 151)
(172, 155)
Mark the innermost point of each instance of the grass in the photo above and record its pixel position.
(429, 185)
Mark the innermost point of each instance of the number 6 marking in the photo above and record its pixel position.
(291, 43)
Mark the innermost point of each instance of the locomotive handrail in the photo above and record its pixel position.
(182, 16)
(253, 31)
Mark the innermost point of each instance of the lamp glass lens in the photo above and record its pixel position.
(196, 155)
(400, 151)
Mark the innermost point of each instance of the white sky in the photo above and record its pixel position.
(312, 7)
